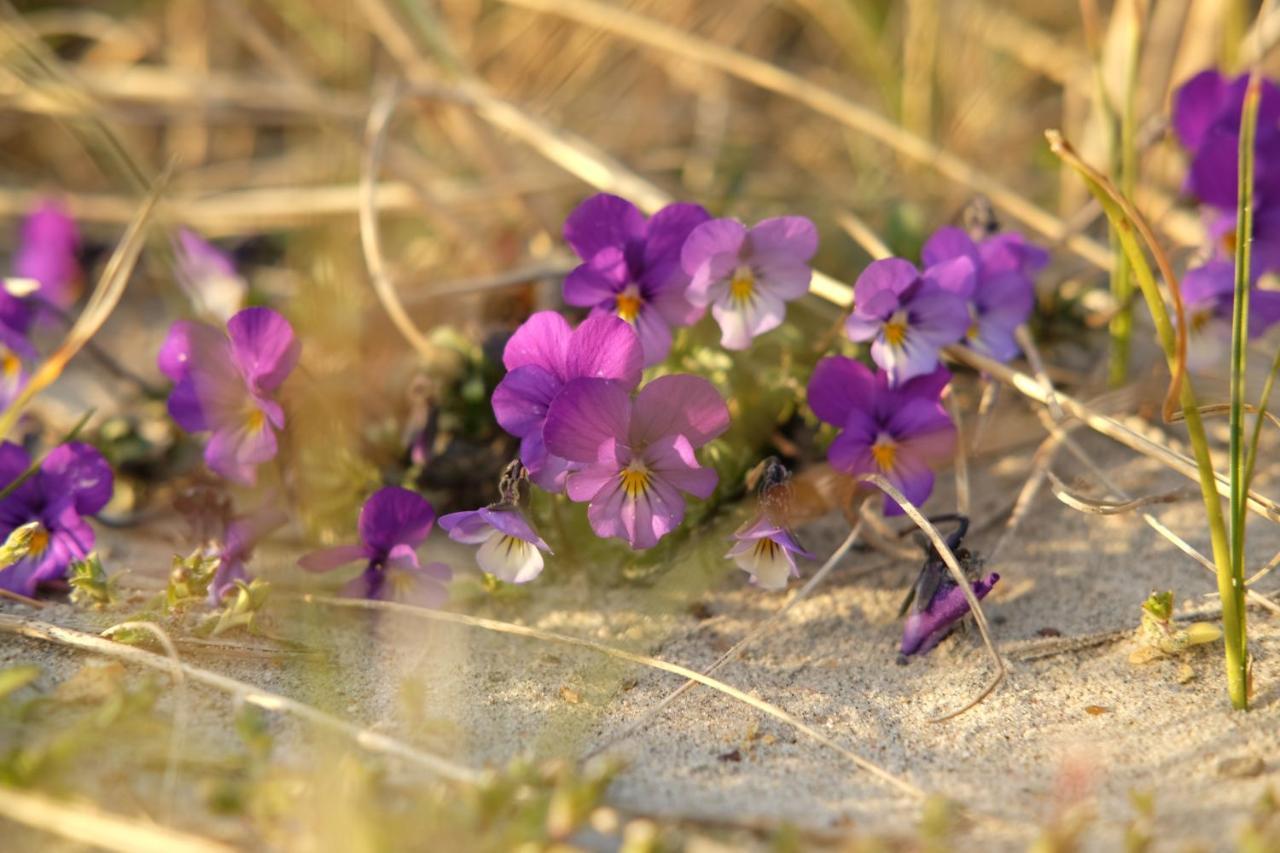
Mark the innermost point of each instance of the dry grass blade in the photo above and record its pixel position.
(103, 300)
(1023, 336)
(1096, 506)
(757, 632)
(940, 545)
(632, 657)
(963, 501)
(703, 52)
(1224, 408)
(99, 830)
(365, 738)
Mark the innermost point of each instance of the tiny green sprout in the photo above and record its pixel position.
(1158, 637)
(190, 578)
(242, 611)
(90, 586)
(31, 536)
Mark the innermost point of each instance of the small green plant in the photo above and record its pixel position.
(90, 584)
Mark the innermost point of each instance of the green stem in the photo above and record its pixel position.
(1125, 159)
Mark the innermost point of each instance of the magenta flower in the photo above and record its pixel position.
(72, 482)
(509, 546)
(540, 358)
(765, 550)
(1208, 295)
(224, 386)
(631, 266)
(748, 276)
(394, 522)
(902, 432)
(910, 316)
(209, 276)
(930, 625)
(636, 456)
(47, 254)
(242, 535)
(1004, 293)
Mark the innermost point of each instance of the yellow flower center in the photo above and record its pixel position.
(895, 329)
(884, 451)
(1229, 242)
(39, 541)
(11, 365)
(634, 479)
(629, 303)
(743, 284)
(254, 420)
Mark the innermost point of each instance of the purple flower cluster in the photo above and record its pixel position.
(47, 253)
(1208, 295)
(72, 482)
(899, 430)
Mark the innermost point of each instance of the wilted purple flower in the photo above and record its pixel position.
(910, 316)
(509, 546)
(394, 522)
(901, 432)
(765, 550)
(224, 386)
(47, 254)
(748, 275)
(636, 456)
(631, 266)
(1208, 296)
(1004, 285)
(540, 358)
(928, 626)
(209, 276)
(242, 535)
(73, 481)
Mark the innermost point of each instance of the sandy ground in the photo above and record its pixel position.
(1071, 731)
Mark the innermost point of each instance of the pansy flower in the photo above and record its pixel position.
(1208, 296)
(748, 275)
(242, 535)
(767, 552)
(1003, 294)
(631, 266)
(510, 549)
(544, 354)
(209, 276)
(73, 482)
(394, 522)
(909, 316)
(47, 254)
(637, 456)
(225, 384)
(930, 625)
(901, 432)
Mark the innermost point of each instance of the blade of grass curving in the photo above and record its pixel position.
(1097, 506)
(953, 566)
(1127, 150)
(620, 654)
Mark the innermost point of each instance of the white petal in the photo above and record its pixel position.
(768, 563)
(509, 559)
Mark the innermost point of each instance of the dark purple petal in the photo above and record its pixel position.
(1212, 177)
(586, 416)
(1206, 284)
(79, 472)
(189, 344)
(13, 461)
(597, 284)
(542, 341)
(946, 244)
(927, 386)
(679, 404)
(664, 238)
(837, 386)
(521, 399)
(511, 522)
(1197, 105)
(186, 408)
(263, 346)
(1009, 253)
(604, 347)
(958, 276)
(1264, 311)
(394, 516)
(890, 276)
(47, 253)
(470, 527)
(927, 627)
(601, 222)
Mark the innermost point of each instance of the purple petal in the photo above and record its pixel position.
(586, 483)
(394, 516)
(604, 347)
(711, 254)
(470, 527)
(957, 276)
(783, 241)
(521, 399)
(678, 404)
(927, 627)
(585, 416)
(263, 347)
(671, 459)
(47, 253)
(511, 522)
(927, 386)
(1212, 177)
(186, 408)
(664, 240)
(946, 244)
(837, 386)
(913, 478)
(890, 276)
(188, 344)
(1264, 311)
(1197, 105)
(1009, 253)
(79, 472)
(603, 221)
(654, 333)
(1206, 284)
(328, 559)
(235, 451)
(742, 320)
(542, 341)
(598, 283)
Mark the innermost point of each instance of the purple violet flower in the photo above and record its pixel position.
(631, 266)
(242, 535)
(636, 456)
(1208, 295)
(927, 627)
(509, 546)
(910, 316)
(901, 432)
(394, 522)
(748, 276)
(209, 276)
(1004, 292)
(47, 254)
(765, 550)
(73, 481)
(543, 355)
(224, 386)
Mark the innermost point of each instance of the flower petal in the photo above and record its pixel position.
(542, 340)
(585, 416)
(79, 472)
(521, 400)
(1197, 105)
(509, 558)
(710, 255)
(263, 346)
(678, 404)
(603, 221)
(671, 459)
(395, 516)
(783, 241)
(837, 386)
(604, 347)
(946, 244)
(742, 320)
